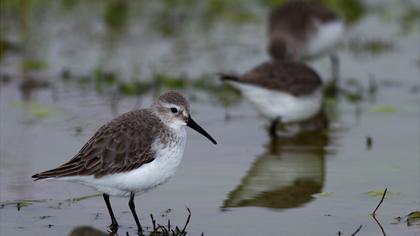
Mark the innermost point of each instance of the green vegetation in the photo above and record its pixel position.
(78, 199)
(37, 110)
(223, 94)
(104, 79)
(384, 109)
(7, 46)
(410, 21)
(413, 218)
(373, 47)
(33, 64)
(116, 13)
(351, 10)
(19, 203)
(134, 88)
(379, 192)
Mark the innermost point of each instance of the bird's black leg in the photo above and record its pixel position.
(273, 145)
(114, 224)
(335, 63)
(133, 210)
(273, 128)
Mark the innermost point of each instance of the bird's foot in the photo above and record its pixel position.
(113, 227)
(140, 231)
(272, 129)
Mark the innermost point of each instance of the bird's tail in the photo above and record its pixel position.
(228, 77)
(68, 169)
(38, 176)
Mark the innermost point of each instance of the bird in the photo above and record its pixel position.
(133, 153)
(300, 30)
(285, 92)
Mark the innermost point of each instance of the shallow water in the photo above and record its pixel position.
(246, 185)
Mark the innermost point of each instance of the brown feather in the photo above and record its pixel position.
(290, 77)
(121, 145)
(299, 17)
(291, 25)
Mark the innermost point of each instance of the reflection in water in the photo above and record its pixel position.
(286, 175)
(156, 229)
(317, 123)
(87, 231)
(29, 86)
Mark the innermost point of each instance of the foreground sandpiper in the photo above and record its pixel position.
(133, 153)
(303, 29)
(286, 92)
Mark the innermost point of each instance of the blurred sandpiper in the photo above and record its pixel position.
(133, 153)
(283, 91)
(299, 30)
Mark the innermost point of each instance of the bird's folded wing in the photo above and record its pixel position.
(292, 77)
(119, 146)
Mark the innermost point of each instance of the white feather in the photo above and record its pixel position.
(326, 38)
(275, 104)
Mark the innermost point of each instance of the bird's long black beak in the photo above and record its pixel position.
(191, 123)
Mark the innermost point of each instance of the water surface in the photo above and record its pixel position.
(68, 67)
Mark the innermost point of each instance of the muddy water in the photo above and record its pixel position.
(88, 58)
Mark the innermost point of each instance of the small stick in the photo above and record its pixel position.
(382, 199)
(186, 223)
(163, 230)
(169, 225)
(153, 222)
(379, 224)
(357, 231)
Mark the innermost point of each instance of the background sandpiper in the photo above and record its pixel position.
(304, 29)
(288, 92)
(133, 153)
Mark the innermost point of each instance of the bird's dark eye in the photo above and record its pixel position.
(174, 110)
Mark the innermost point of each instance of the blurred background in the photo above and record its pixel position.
(68, 66)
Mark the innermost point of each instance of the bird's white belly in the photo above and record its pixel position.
(275, 104)
(144, 178)
(325, 39)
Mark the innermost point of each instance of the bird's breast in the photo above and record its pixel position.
(168, 154)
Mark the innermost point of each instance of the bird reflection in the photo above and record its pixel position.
(30, 85)
(286, 175)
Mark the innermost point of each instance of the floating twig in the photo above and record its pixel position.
(357, 230)
(380, 202)
(379, 224)
(186, 223)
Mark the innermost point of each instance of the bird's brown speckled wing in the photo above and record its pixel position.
(121, 145)
(291, 77)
